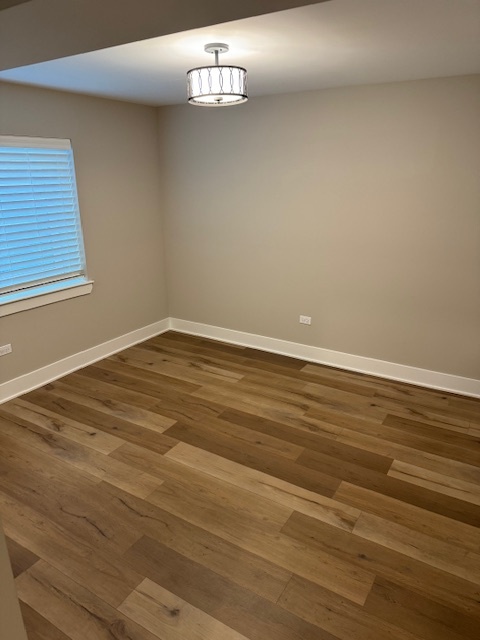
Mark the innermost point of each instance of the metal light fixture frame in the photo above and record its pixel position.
(217, 85)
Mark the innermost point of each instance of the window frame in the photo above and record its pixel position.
(34, 294)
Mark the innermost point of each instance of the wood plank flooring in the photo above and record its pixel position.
(186, 489)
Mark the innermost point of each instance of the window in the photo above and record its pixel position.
(42, 257)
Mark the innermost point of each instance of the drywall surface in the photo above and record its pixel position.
(38, 31)
(116, 156)
(359, 207)
(11, 623)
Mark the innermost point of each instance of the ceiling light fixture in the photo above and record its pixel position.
(219, 85)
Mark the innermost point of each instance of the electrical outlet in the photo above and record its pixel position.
(305, 320)
(7, 348)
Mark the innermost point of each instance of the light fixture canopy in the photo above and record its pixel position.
(218, 85)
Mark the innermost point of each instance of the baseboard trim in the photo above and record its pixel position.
(360, 364)
(389, 370)
(39, 377)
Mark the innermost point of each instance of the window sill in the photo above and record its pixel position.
(43, 295)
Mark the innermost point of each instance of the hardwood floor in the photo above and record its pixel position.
(186, 489)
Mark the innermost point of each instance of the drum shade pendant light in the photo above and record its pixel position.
(218, 85)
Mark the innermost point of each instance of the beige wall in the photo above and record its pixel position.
(116, 156)
(11, 624)
(359, 207)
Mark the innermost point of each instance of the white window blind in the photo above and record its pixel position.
(41, 239)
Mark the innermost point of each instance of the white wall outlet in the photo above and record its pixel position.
(305, 320)
(7, 348)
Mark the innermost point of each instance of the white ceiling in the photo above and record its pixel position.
(335, 43)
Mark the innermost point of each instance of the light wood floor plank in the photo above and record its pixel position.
(335, 615)
(436, 481)
(74, 610)
(238, 608)
(248, 455)
(171, 618)
(38, 628)
(101, 571)
(225, 558)
(20, 558)
(410, 455)
(460, 562)
(262, 484)
(91, 462)
(422, 578)
(119, 427)
(150, 361)
(105, 404)
(408, 515)
(254, 537)
(29, 413)
(418, 614)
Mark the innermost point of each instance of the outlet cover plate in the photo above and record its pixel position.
(6, 348)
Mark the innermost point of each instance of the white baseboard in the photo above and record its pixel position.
(39, 377)
(390, 370)
(360, 364)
